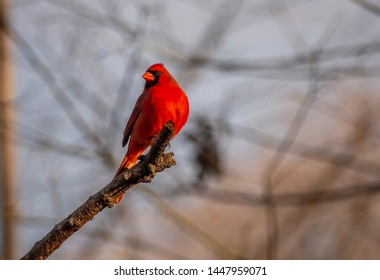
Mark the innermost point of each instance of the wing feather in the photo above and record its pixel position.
(135, 114)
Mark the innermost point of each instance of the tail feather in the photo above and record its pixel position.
(127, 163)
(124, 165)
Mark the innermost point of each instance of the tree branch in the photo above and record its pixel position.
(143, 172)
(375, 9)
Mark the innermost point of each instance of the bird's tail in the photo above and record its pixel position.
(127, 163)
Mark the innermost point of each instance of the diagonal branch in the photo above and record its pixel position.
(375, 9)
(143, 172)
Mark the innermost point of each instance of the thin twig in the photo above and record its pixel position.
(292, 199)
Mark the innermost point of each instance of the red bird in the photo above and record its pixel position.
(162, 100)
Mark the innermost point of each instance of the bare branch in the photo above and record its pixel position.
(293, 199)
(155, 161)
(368, 6)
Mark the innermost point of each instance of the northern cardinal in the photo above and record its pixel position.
(161, 101)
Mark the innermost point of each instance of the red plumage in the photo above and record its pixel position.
(162, 100)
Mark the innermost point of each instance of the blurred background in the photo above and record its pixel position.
(280, 156)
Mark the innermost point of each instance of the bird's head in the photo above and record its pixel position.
(157, 73)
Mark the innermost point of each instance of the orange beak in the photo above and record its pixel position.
(149, 77)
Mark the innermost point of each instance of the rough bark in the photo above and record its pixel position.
(143, 172)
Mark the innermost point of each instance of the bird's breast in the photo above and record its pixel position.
(162, 105)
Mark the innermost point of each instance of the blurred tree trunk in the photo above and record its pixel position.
(6, 138)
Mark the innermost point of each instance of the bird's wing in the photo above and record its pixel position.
(135, 114)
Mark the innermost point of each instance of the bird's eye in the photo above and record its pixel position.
(158, 74)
